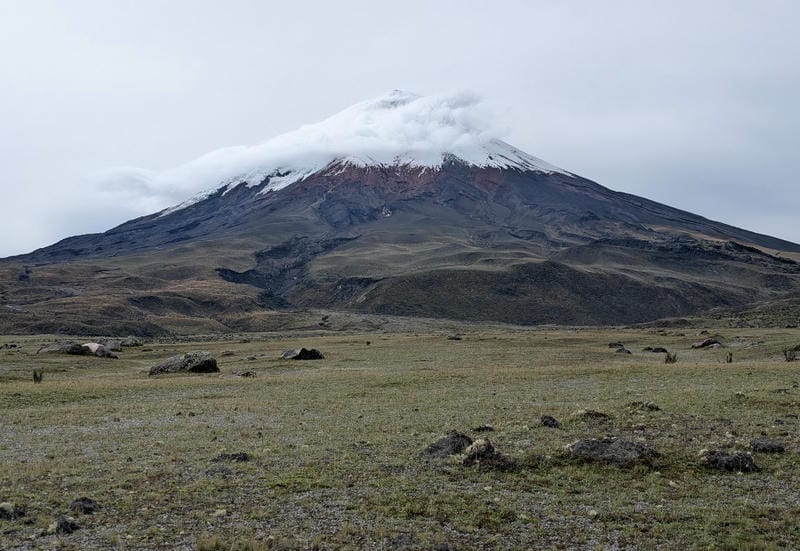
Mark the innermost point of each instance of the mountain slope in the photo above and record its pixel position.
(444, 221)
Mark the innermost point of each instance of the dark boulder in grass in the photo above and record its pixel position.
(706, 344)
(10, 511)
(722, 461)
(84, 505)
(191, 362)
(131, 341)
(549, 421)
(482, 453)
(238, 457)
(452, 443)
(767, 445)
(73, 348)
(302, 354)
(611, 451)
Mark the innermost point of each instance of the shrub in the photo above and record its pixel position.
(790, 354)
(670, 358)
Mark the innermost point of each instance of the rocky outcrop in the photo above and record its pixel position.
(191, 362)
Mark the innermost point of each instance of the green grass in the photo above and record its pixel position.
(335, 444)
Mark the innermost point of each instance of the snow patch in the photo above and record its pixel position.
(399, 128)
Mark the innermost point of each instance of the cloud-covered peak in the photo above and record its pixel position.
(399, 128)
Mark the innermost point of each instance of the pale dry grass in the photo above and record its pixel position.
(335, 443)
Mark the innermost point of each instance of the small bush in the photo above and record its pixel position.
(790, 354)
(37, 375)
(670, 358)
(729, 358)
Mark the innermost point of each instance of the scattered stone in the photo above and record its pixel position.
(643, 406)
(63, 525)
(84, 505)
(302, 354)
(482, 453)
(111, 344)
(131, 341)
(707, 343)
(590, 415)
(9, 346)
(10, 511)
(612, 451)
(483, 428)
(227, 353)
(767, 445)
(722, 461)
(549, 421)
(244, 373)
(655, 350)
(64, 348)
(623, 350)
(616, 345)
(453, 337)
(251, 358)
(451, 444)
(100, 350)
(192, 362)
(219, 513)
(239, 457)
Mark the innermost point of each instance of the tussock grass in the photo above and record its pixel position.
(335, 444)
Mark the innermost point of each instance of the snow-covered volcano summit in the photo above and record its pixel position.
(399, 128)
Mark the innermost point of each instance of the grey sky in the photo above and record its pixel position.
(694, 104)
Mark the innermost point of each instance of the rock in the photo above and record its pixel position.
(549, 421)
(452, 443)
(483, 428)
(84, 505)
(112, 344)
(227, 353)
(767, 445)
(239, 457)
(482, 453)
(453, 337)
(63, 525)
(643, 406)
(706, 343)
(244, 373)
(131, 341)
(9, 346)
(655, 350)
(616, 345)
(65, 348)
(612, 451)
(623, 350)
(100, 350)
(302, 354)
(10, 511)
(192, 362)
(721, 461)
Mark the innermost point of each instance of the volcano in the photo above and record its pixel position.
(401, 205)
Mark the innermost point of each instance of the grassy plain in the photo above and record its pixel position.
(335, 444)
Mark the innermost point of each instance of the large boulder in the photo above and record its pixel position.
(613, 451)
(302, 354)
(482, 453)
(451, 443)
(65, 348)
(191, 362)
(131, 341)
(723, 461)
(707, 343)
(100, 350)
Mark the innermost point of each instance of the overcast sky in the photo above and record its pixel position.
(694, 104)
